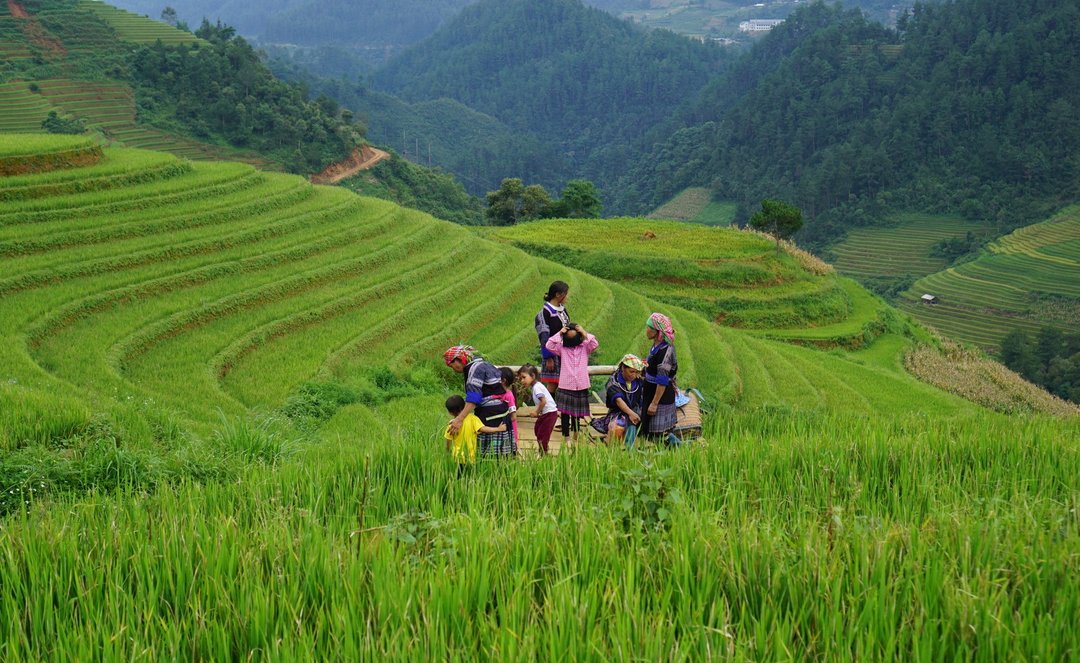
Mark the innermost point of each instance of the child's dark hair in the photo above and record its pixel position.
(530, 370)
(555, 289)
(575, 340)
(507, 374)
(455, 404)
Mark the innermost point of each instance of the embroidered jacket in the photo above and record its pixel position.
(549, 321)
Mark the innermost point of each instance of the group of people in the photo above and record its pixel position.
(639, 395)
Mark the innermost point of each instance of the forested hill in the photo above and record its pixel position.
(970, 107)
(573, 76)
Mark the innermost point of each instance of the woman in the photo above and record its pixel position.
(483, 386)
(661, 366)
(552, 317)
(623, 396)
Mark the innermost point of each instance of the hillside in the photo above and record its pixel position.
(969, 108)
(573, 76)
(141, 83)
(230, 381)
(730, 276)
(267, 259)
(1026, 280)
(477, 148)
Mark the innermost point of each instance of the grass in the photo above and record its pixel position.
(733, 277)
(220, 416)
(790, 536)
(1025, 280)
(695, 205)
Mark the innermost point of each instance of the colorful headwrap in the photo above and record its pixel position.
(661, 323)
(633, 361)
(464, 353)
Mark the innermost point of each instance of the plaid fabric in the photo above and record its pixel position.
(573, 403)
(552, 376)
(664, 419)
(496, 444)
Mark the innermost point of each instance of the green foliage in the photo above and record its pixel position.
(426, 189)
(580, 199)
(1050, 360)
(514, 202)
(220, 90)
(956, 247)
(316, 402)
(261, 442)
(423, 538)
(54, 124)
(569, 75)
(850, 121)
(647, 501)
(777, 218)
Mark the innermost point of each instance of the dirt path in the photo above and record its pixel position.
(16, 10)
(362, 158)
(34, 30)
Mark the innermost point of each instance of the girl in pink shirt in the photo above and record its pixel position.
(573, 345)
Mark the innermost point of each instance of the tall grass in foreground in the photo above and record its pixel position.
(787, 536)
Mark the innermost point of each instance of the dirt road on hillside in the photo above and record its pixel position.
(362, 158)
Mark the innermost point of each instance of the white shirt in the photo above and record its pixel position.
(540, 391)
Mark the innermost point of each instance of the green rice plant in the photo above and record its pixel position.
(119, 167)
(29, 417)
(263, 442)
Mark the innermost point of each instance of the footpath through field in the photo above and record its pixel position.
(361, 159)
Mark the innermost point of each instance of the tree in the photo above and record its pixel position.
(1017, 353)
(580, 200)
(169, 16)
(504, 205)
(514, 202)
(778, 219)
(535, 203)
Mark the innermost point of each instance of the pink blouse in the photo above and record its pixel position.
(574, 369)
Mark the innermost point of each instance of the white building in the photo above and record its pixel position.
(760, 24)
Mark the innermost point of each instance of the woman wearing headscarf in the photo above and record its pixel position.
(623, 397)
(661, 366)
(483, 386)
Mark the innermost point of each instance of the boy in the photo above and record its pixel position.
(462, 444)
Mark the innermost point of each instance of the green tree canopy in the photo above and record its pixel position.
(580, 200)
(777, 218)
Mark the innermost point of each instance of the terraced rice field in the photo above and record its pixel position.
(23, 110)
(734, 278)
(160, 318)
(188, 284)
(107, 108)
(13, 43)
(135, 28)
(901, 250)
(1025, 280)
(696, 205)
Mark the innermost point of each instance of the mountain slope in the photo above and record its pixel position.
(970, 108)
(578, 78)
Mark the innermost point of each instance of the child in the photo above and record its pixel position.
(507, 375)
(573, 345)
(546, 412)
(462, 445)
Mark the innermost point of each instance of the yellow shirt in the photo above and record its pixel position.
(463, 445)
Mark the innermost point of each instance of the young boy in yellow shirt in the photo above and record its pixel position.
(462, 445)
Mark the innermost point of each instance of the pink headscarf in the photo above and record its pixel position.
(661, 323)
